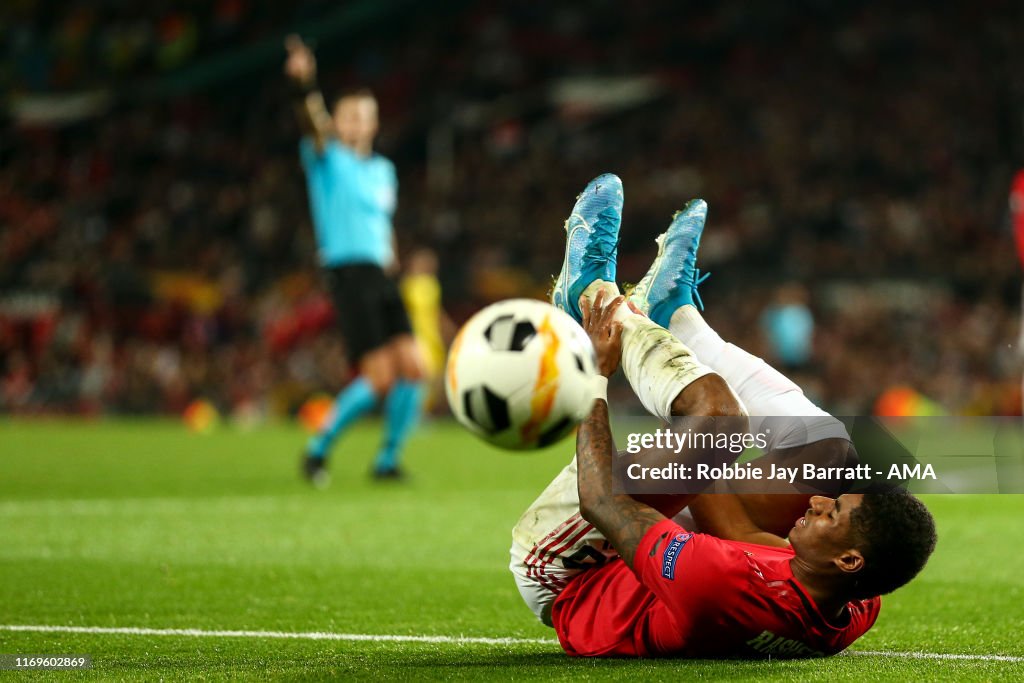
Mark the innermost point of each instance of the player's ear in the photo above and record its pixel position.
(849, 561)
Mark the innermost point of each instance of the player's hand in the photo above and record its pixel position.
(604, 331)
(300, 66)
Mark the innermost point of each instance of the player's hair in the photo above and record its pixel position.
(896, 535)
(358, 92)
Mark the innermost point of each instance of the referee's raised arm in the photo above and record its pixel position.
(300, 67)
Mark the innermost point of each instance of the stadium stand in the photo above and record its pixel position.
(160, 250)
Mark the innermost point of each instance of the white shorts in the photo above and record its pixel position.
(552, 543)
(789, 431)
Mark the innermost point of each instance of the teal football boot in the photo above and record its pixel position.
(673, 278)
(591, 242)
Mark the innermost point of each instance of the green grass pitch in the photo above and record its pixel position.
(142, 524)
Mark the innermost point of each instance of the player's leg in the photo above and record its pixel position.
(795, 428)
(552, 542)
(767, 392)
(668, 295)
(404, 402)
(402, 407)
(665, 374)
(359, 319)
(657, 364)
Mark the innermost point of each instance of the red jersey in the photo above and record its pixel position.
(694, 595)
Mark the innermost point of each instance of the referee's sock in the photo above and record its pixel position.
(401, 413)
(352, 403)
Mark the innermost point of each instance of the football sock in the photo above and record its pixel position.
(401, 412)
(765, 391)
(353, 402)
(656, 363)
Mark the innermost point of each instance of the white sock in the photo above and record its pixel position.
(657, 364)
(767, 394)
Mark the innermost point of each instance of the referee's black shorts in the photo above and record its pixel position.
(369, 306)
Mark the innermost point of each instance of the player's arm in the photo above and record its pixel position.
(724, 515)
(314, 118)
(621, 519)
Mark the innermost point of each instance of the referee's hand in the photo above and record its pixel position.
(300, 66)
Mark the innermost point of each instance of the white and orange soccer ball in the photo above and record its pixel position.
(521, 374)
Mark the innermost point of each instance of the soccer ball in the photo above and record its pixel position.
(521, 374)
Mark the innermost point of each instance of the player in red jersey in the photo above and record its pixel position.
(616, 576)
(1017, 212)
(1017, 220)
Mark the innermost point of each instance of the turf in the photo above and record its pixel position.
(143, 524)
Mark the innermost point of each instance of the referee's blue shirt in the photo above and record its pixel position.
(352, 200)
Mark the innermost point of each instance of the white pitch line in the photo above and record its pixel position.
(937, 655)
(385, 638)
(312, 635)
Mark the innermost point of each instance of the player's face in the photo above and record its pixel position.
(356, 120)
(824, 531)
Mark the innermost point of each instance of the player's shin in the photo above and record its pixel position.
(657, 364)
(401, 412)
(353, 401)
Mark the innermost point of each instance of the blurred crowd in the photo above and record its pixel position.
(856, 159)
(63, 45)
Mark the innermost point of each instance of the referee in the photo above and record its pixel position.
(352, 195)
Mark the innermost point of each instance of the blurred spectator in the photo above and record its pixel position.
(433, 329)
(789, 326)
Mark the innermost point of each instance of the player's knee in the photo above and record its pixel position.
(413, 373)
(711, 396)
(379, 371)
(409, 360)
(381, 383)
(407, 364)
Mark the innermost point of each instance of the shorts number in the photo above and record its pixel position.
(586, 557)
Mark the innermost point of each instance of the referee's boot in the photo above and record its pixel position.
(314, 470)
